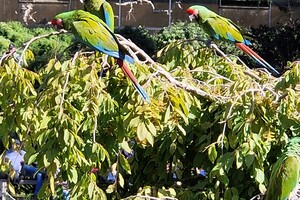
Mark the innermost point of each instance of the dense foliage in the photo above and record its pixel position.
(204, 113)
(43, 49)
(281, 41)
(141, 37)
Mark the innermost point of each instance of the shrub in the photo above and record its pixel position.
(43, 50)
(140, 36)
(278, 44)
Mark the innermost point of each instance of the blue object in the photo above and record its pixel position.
(38, 176)
(111, 178)
(15, 158)
(66, 195)
(202, 173)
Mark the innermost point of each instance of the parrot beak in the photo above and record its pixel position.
(191, 17)
(192, 13)
(57, 23)
(82, 1)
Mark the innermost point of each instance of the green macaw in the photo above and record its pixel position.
(93, 32)
(284, 180)
(101, 9)
(221, 28)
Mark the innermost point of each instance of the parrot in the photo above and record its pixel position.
(101, 9)
(93, 32)
(221, 28)
(284, 179)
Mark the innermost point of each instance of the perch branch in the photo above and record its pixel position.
(65, 86)
(148, 197)
(26, 45)
(137, 2)
(163, 72)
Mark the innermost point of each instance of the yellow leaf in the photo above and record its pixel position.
(51, 182)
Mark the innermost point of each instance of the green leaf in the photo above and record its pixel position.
(111, 188)
(124, 163)
(181, 129)
(167, 114)
(227, 195)
(151, 128)
(32, 158)
(142, 131)
(44, 122)
(121, 180)
(72, 175)
(212, 153)
(249, 158)
(125, 146)
(172, 148)
(91, 189)
(238, 159)
(259, 175)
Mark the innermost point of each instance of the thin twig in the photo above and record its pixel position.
(215, 74)
(26, 45)
(149, 197)
(65, 86)
(163, 72)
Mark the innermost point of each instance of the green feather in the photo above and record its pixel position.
(284, 180)
(219, 27)
(93, 32)
(101, 9)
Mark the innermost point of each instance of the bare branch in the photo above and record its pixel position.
(65, 86)
(131, 3)
(28, 14)
(26, 45)
(137, 2)
(163, 72)
(148, 197)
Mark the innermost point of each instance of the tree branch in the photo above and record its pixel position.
(162, 71)
(26, 45)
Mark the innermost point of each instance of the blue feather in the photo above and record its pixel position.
(115, 54)
(229, 37)
(107, 21)
(247, 42)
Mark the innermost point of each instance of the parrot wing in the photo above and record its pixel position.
(284, 178)
(109, 15)
(95, 34)
(224, 29)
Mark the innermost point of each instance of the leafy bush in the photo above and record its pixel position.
(43, 50)
(204, 112)
(140, 36)
(179, 31)
(279, 44)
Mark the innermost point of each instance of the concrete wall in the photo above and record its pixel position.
(144, 15)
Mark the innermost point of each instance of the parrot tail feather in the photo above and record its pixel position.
(135, 83)
(257, 58)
